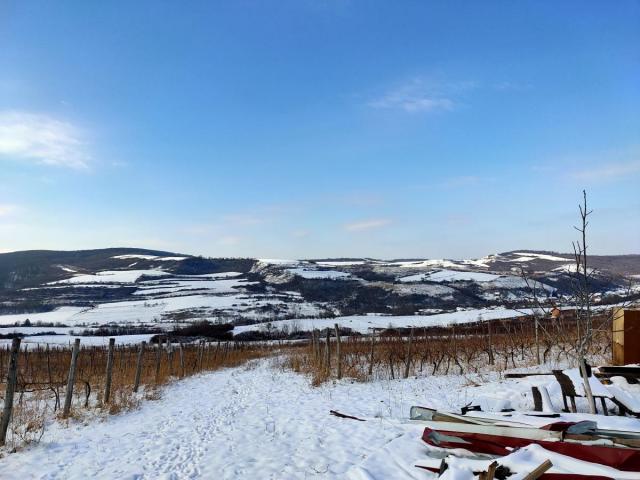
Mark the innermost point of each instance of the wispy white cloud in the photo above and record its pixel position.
(421, 94)
(593, 167)
(465, 181)
(609, 171)
(7, 209)
(512, 86)
(367, 225)
(245, 219)
(229, 240)
(41, 139)
(412, 103)
(300, 233)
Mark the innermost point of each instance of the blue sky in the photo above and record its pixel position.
(312, 128)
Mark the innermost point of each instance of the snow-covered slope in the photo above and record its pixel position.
(271, 423)
(147, 288)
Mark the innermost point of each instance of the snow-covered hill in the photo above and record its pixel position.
(146, 288)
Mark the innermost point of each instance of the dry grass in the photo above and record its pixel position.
(460, 349)
(28, 420)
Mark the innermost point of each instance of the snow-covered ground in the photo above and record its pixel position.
(151, 312)
(149, 257)
(325, 274)
(363, 323)
(114, 276)
(60, 315)
(528, 256)
(156, 301)
(180, 285)
(454, 275)
(86, 340)
(259, 421)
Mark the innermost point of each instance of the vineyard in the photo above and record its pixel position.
(53, 381)
(470, 348)
(49, 381)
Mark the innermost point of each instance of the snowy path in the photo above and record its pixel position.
(242, 423)
(258, 422)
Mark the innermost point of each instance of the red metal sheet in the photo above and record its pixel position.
(626, 459)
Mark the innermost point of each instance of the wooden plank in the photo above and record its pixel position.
(620, 370)
(538, 471)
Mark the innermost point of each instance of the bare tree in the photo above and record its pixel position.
(583, 296)
(542, 306)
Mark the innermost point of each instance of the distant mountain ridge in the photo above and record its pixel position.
(171, 286)
(28, 268)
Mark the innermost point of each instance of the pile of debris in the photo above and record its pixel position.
(540, 444)
(502, 448)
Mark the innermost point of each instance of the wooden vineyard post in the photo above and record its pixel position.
(327, 352)
(313, 344)
(407, 365)
(12, 379)
(535, 318)
(181, 352)
(318, 347)
(170, 357)
(158, 359)
(200, 354)
(455, 344)
(491, 360)
(338, 352)
(371, 353)
(136, 382)
(71, 379)
(206, 350)
(107, 383)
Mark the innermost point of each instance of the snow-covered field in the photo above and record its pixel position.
(179, 285)
(116, 276)
(85, 340)
(363, 323)
(158, 300)
(151, 312)
(309, 273)
(454, 276)
(60, 315)
(258, 421)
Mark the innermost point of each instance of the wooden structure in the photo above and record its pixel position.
(568, 390)
(626, 337)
